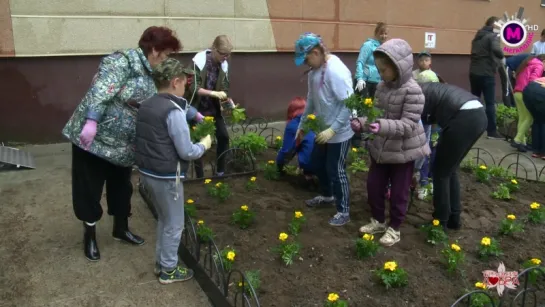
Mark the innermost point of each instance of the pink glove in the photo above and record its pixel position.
(374, 128)
(199, 117)
(88, 133)
(355, 125)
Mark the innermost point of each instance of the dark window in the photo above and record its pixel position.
(542, 2)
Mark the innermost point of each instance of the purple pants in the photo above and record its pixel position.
(400, 177)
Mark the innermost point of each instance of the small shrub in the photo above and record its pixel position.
(250, 141)
(392, 276)
(435, 233)
(296, 222)
(537, 214)
(251, 185)
(287, 250)
(509, 225)
(227, 256)
(533, 274)
(189, 208)
(204, 232)
(454, 257)
(502, 192)
(254, 280)
(366, 246)
(489, 247)
(482, 173)
(271, 171)
(243, 217)
(221, 191)
(333, 301)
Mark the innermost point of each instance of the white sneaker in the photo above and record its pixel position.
(391, 237)
(373, 227)
(422, 193)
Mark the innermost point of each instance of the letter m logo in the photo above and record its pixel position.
(510, 34)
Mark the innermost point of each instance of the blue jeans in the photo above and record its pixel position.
(486, 86)
(330, 168)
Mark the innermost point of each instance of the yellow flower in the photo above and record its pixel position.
(200, 222)
(270, 162)
(190, 201)
(513, 181)
(279, 138)
(194, 128)
(483, 167)
(231, 256)
(535, 261)
(390, 266)
(511, 217)
(209, 118)
(534, 206)
(244, 208)
(435, 222)
(240, 283)
(207, 181)
(332, 297)
(368, 102)
(283, 236)
(455, 247)
(298, 214)
(311, 116)
(253, 179)
(218, 184)
(368, 237)
(354, 149)
(480, 285)
(485, 241)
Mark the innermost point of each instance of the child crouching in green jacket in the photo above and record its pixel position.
(163, 152)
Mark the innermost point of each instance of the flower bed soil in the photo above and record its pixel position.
(328, 254)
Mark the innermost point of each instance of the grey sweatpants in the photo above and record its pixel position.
(169, 203)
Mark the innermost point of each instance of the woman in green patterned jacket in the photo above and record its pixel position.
(102, 130)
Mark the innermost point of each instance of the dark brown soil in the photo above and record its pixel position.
(328, 255)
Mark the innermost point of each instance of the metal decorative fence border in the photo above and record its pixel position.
(527, 294)
(205, 260)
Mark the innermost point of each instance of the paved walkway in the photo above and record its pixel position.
(41, 256)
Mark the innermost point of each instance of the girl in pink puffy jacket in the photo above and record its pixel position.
(399, 138)
(529, 70)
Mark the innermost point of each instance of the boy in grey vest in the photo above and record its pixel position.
(163, 149)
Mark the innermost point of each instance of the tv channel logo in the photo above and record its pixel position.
(516, 34)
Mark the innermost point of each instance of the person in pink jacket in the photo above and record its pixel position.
(399, 138)
(529, 70)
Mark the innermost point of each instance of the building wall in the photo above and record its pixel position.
(49, 50)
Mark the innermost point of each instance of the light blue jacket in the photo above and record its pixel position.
(365, 65)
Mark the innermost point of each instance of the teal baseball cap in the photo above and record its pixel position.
(304, 44)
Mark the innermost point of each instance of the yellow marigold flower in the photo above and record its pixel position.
(218, 184)
(511, 217)
(535, 261)
(368, 102)
(435, 222)
(209, 118)
(455, 247)
(231, 256)
(190, 201)
(332, 297)
(298, 214)
(240, 283)
(200, 222)
(194, 128)
(534, 206)
(480, 285)
(207, 181)
(368, 237)
(279, 138)
(270, 162)
(311, 116)
(354, 149)
(253, 179)
(244, 208)
(483, 167)
(390, 266)
(514, 181)
(283, 236)
(485, 241)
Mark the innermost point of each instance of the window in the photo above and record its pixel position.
(543, 3)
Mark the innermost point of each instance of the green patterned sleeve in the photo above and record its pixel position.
(108, 81)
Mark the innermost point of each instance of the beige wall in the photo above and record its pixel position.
(78, 27)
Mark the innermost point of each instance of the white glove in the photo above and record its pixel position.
(504, 61)
(360, 85)
(220, 95)
(206, 142)
(354, 113)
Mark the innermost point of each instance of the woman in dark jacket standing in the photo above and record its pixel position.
(534, 99)
(463, 120)
(208, 93)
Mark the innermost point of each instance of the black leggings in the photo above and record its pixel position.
(222, 137)
(456, 139)
(89, 173)
(534, 100)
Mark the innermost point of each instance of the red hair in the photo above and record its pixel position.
(160, 39)
(296, 107)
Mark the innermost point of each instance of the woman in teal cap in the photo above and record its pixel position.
(329, 84)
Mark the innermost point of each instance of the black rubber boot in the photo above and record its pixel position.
(90, 247)
(454, 222)
(121, 232)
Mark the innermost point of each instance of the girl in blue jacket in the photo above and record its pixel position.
(292, 147)
(367, 76)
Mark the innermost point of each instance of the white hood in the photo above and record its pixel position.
(200, 60)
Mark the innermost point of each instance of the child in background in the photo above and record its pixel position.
(424, 65)
(399, 139)
(291, 146)
(163, 149)
(422, 165)
(529, 70)
(329, 84)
